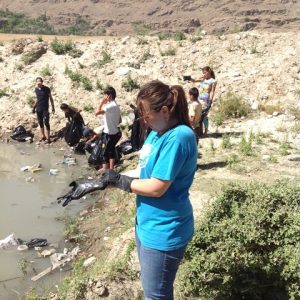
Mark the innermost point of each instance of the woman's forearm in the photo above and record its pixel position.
(150, 187)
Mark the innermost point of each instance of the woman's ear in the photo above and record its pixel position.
(165, 111)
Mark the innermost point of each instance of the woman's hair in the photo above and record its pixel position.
(64, 106)
(159, 94)
(210, 71)
(194, 92)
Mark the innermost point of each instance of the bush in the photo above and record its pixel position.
(226, 143)
(86, 83)
(168, 52)
(106, 59)
(88, 108)
(3, 92)
(46, 71)
(130, 84)
(61, 47)
(99, 86)
(179, 36)
(231, 106)
(270, 109)
(164, 36)
(247, 245)
(73, 75)
(245, 146)
(140, 28)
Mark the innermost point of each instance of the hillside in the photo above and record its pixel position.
(122, 17)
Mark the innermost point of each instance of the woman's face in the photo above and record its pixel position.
(206, 74)
(157, 121)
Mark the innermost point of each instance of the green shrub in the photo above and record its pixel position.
(19, 67)
(168, 52)
(142, 41)
(146, 55)
(232, 160)
(75, 53)
(46, 71)
(61, 47)
(19, 23)
(73, 75)
(247, 245)
(245, 146)
(270, 108)
(3, 92)
(39, 38)
(30, 101)
(71, 226)
(164, 36)
(226, 144)
(130, 84)
(81, 27)
(141, 28)
(86, 83)
(196, 39)
(106, 59)
(88, 108)
(284, 147)
(99, 86)
(233, 106)
(179, 36)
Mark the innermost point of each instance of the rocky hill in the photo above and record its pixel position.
(122, 17)
(262, 68)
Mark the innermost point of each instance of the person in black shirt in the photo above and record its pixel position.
(41, 108)
(72, 113)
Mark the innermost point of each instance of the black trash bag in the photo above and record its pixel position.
(96, 157)
(58, 134)
(73, 132)
(81, 188)
(125, 147)
(20, 134)
(34, 243)
(80, 148)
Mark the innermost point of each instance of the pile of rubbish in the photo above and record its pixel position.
(57, 260)
(20, 134)
(33, 169)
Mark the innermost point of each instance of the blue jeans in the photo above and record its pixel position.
(158, 271)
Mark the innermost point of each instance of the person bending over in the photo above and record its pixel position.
(112, 119)
(72, 114)
(41, 108)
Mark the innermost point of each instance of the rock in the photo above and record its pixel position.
(293, 157)
(84, 213)
(122, 71)
(100, 289)
(125, 40)
(33, 53)
(19, 46)
(254, 106)
(46, 253)
(275, 114)
(89, 261)
(266, 157)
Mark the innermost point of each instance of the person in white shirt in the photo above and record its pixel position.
(112, 118)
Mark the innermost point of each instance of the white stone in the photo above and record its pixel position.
(89, 261)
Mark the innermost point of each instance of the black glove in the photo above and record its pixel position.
(81, 188)
(110, 177)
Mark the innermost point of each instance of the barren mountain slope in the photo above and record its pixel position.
(213, 16)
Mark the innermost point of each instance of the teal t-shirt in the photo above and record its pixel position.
(167, 223)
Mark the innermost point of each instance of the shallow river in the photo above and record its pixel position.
(29, 210)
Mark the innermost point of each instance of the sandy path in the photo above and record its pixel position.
(6, 37)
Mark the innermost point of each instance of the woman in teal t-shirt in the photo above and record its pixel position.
(164, 215)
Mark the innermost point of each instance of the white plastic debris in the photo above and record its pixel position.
(9, 241)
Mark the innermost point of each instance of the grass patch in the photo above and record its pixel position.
(295, 111)
(226, 143)
(141, 28)
(130, 84)
(245, 146)
(179, 36)
(232, 160)
(284, 148)
(99, 85)
(142, 41)
(73, 75)
(30, 100)
(88, 108)
(106, 59)
(230, 106)
(61, 47)
(71, 226)
(86, 83)
(46, 71)
(296, 128)
(32, 56)
(168, 52)
(3, 92)
(270, 109)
